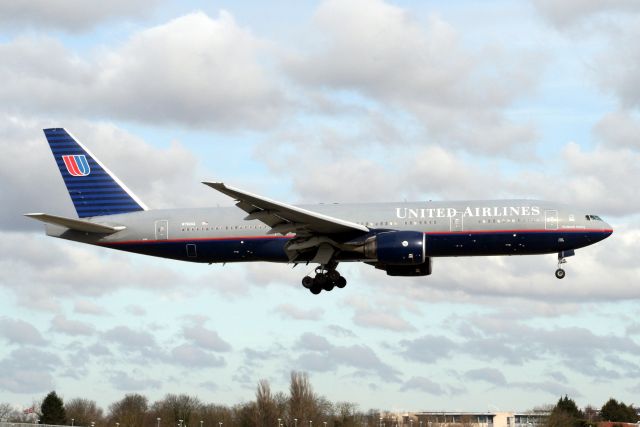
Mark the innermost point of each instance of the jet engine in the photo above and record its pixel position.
(396, 248)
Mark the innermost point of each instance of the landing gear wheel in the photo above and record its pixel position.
(341, 282)
(333, 275)
(328, 286)
(315, 289)
(320, 280)
(560, 273)
(307, 282)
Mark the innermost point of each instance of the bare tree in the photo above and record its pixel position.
(83, 411)
(131, 411)
(302, 400)
(176, 407)
(266, 414)
(6, 410)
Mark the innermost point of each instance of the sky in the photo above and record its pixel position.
(323, 101)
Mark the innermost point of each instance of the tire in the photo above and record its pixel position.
(333, 275)
(307, 282)
(315, 289)
(341, 282)
(560, 273)
(320, 280)
(328, 286)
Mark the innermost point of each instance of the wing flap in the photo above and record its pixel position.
(284, 217)
(76, 224)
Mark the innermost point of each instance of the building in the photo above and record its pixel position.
(463, 419)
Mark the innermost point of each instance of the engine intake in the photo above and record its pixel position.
(397, 248)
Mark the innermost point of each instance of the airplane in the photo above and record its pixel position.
(399, 238)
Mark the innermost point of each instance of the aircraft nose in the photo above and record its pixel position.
(608, 229)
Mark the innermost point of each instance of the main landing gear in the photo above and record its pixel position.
(327, 277)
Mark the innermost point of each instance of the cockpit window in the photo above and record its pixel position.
(593, 218)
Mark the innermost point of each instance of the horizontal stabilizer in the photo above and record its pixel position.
(76, 224)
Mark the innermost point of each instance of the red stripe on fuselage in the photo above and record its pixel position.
(560, 230)
(438, 233)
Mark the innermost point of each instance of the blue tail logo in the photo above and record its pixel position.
(77, 165)
(94, 190)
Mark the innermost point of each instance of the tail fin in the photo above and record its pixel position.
(94, 190)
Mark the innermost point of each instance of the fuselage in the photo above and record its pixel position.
(461, 228)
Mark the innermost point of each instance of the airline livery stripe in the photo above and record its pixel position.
(289, 236)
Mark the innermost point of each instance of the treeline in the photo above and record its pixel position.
(567, 414)
(300, 407)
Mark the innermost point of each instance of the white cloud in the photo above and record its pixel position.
(619, 129)
(381, 52)
(61, 324)
(28, 370)
(17, 331)
(567, 13)
(203, 337)
(69, 15)
(192, 356)
(194, 71)
(296, 313)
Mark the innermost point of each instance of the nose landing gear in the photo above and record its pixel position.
(560, 273)
(327, 277)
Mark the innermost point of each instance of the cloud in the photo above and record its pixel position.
(428, 348)
(490, 375)
(71, 327)
(28, 370)
(549, 387)
(69, 15)
(381, 52)
(567, 13)
(83, 306)
(192, 356)
(192, 71)
(619, 129)
(423, 384)
(321, 356)
(373, 316)
(133, 381)
(133, 342)
(16, 331)
(293, 312)
(205, 338)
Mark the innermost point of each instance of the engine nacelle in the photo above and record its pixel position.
(423, 269)
(397, 248)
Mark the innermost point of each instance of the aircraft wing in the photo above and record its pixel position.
(284, 218)
(76, 224)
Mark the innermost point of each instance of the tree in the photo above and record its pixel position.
(176, 407)
(6, 410)
(53, 410)
(614, 411)
(302, 401)
(130, 411)
(83, 411)
(566, 414)
(266, 414)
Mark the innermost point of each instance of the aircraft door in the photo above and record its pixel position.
(550, 220)
(162, 229)
(456, 221)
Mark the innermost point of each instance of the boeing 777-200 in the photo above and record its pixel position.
(399, 238)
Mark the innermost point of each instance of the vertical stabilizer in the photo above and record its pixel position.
(94, 190)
